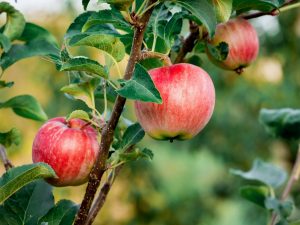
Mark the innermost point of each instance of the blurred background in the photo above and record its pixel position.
(187, 183)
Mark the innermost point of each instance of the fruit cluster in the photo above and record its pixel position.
(188, 94)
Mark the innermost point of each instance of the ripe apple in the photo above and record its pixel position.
(188, 96)
(69, 147)
(242, 41)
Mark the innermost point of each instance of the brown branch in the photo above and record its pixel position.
(188, 43)
(3, 156)
(274, 12)
(108, 131)
(293, 178)
(147, 55)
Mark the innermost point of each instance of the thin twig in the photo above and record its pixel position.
(274, 12)
(148, 54)
(293, 178)
(188, 43)
(6, 162)
(108, 131)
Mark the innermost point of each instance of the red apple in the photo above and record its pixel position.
(69, 147)
(188, 96)
(242, 41)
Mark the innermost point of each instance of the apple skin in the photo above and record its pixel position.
(242, 41)
(70, 148)
(188, 96)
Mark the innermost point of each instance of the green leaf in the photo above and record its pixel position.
(12, 137)
(283, 209)
(263, 172)
(122, 5)
(15, 21)
(219, 52)
(33, 32)
(79, 114)
(284, 123)
(173, 28)
(107, 43)
(18, 177)
(85, 4)
(63, 213)
(202, 11)
(136, 155)
(223, 9)
(27, 205)
(112, 16)
(262, 5)
(255, 194)
(4, 43)
(132, 135)
(33, 48)
(140, 87)
(84, 64)
(83, 91)
(26, 106)
(4, 84)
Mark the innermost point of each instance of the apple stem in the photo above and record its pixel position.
(108, 130)
(3, 156)
(149, 54)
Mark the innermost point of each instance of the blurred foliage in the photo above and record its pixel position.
(187, 183)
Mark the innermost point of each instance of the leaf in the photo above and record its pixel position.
(83, 91)
(4, 84)
(33, 32)
(12, 137)
(86, 65)
(63, 213)
(111, 94)
(132, 135)
(255, 194)
(107, 43)
(112, 16)
(263, 172)
(33, 48)
(202, 11)
(140, 87)
(85, 4)
(79, 114)
(262, 5)
(223, 9)
(283, 209)
(15, 21)
(18, 177)
(4, 43)
(173, 28)
(284, 123)
(26, 106)
(219, 52)
(27, 205)
(136, 155)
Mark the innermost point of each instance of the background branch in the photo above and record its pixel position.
(293, 178)
(108, 131)
(148, 54)
(7, 164)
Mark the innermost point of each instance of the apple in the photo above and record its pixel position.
(188, 96)
(242, 41)
(69, 147)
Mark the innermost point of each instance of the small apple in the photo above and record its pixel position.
(188, 96)
(242, 41)
(69, 147)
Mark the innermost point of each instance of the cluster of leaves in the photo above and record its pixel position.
(282, 123)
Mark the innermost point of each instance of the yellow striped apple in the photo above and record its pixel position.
(188, 96)
(242, 41)
(69, 147)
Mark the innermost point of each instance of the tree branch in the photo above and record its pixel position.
(7, 164)
(188, 43)
(293, 178)
(108, 131)
(148, 54)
